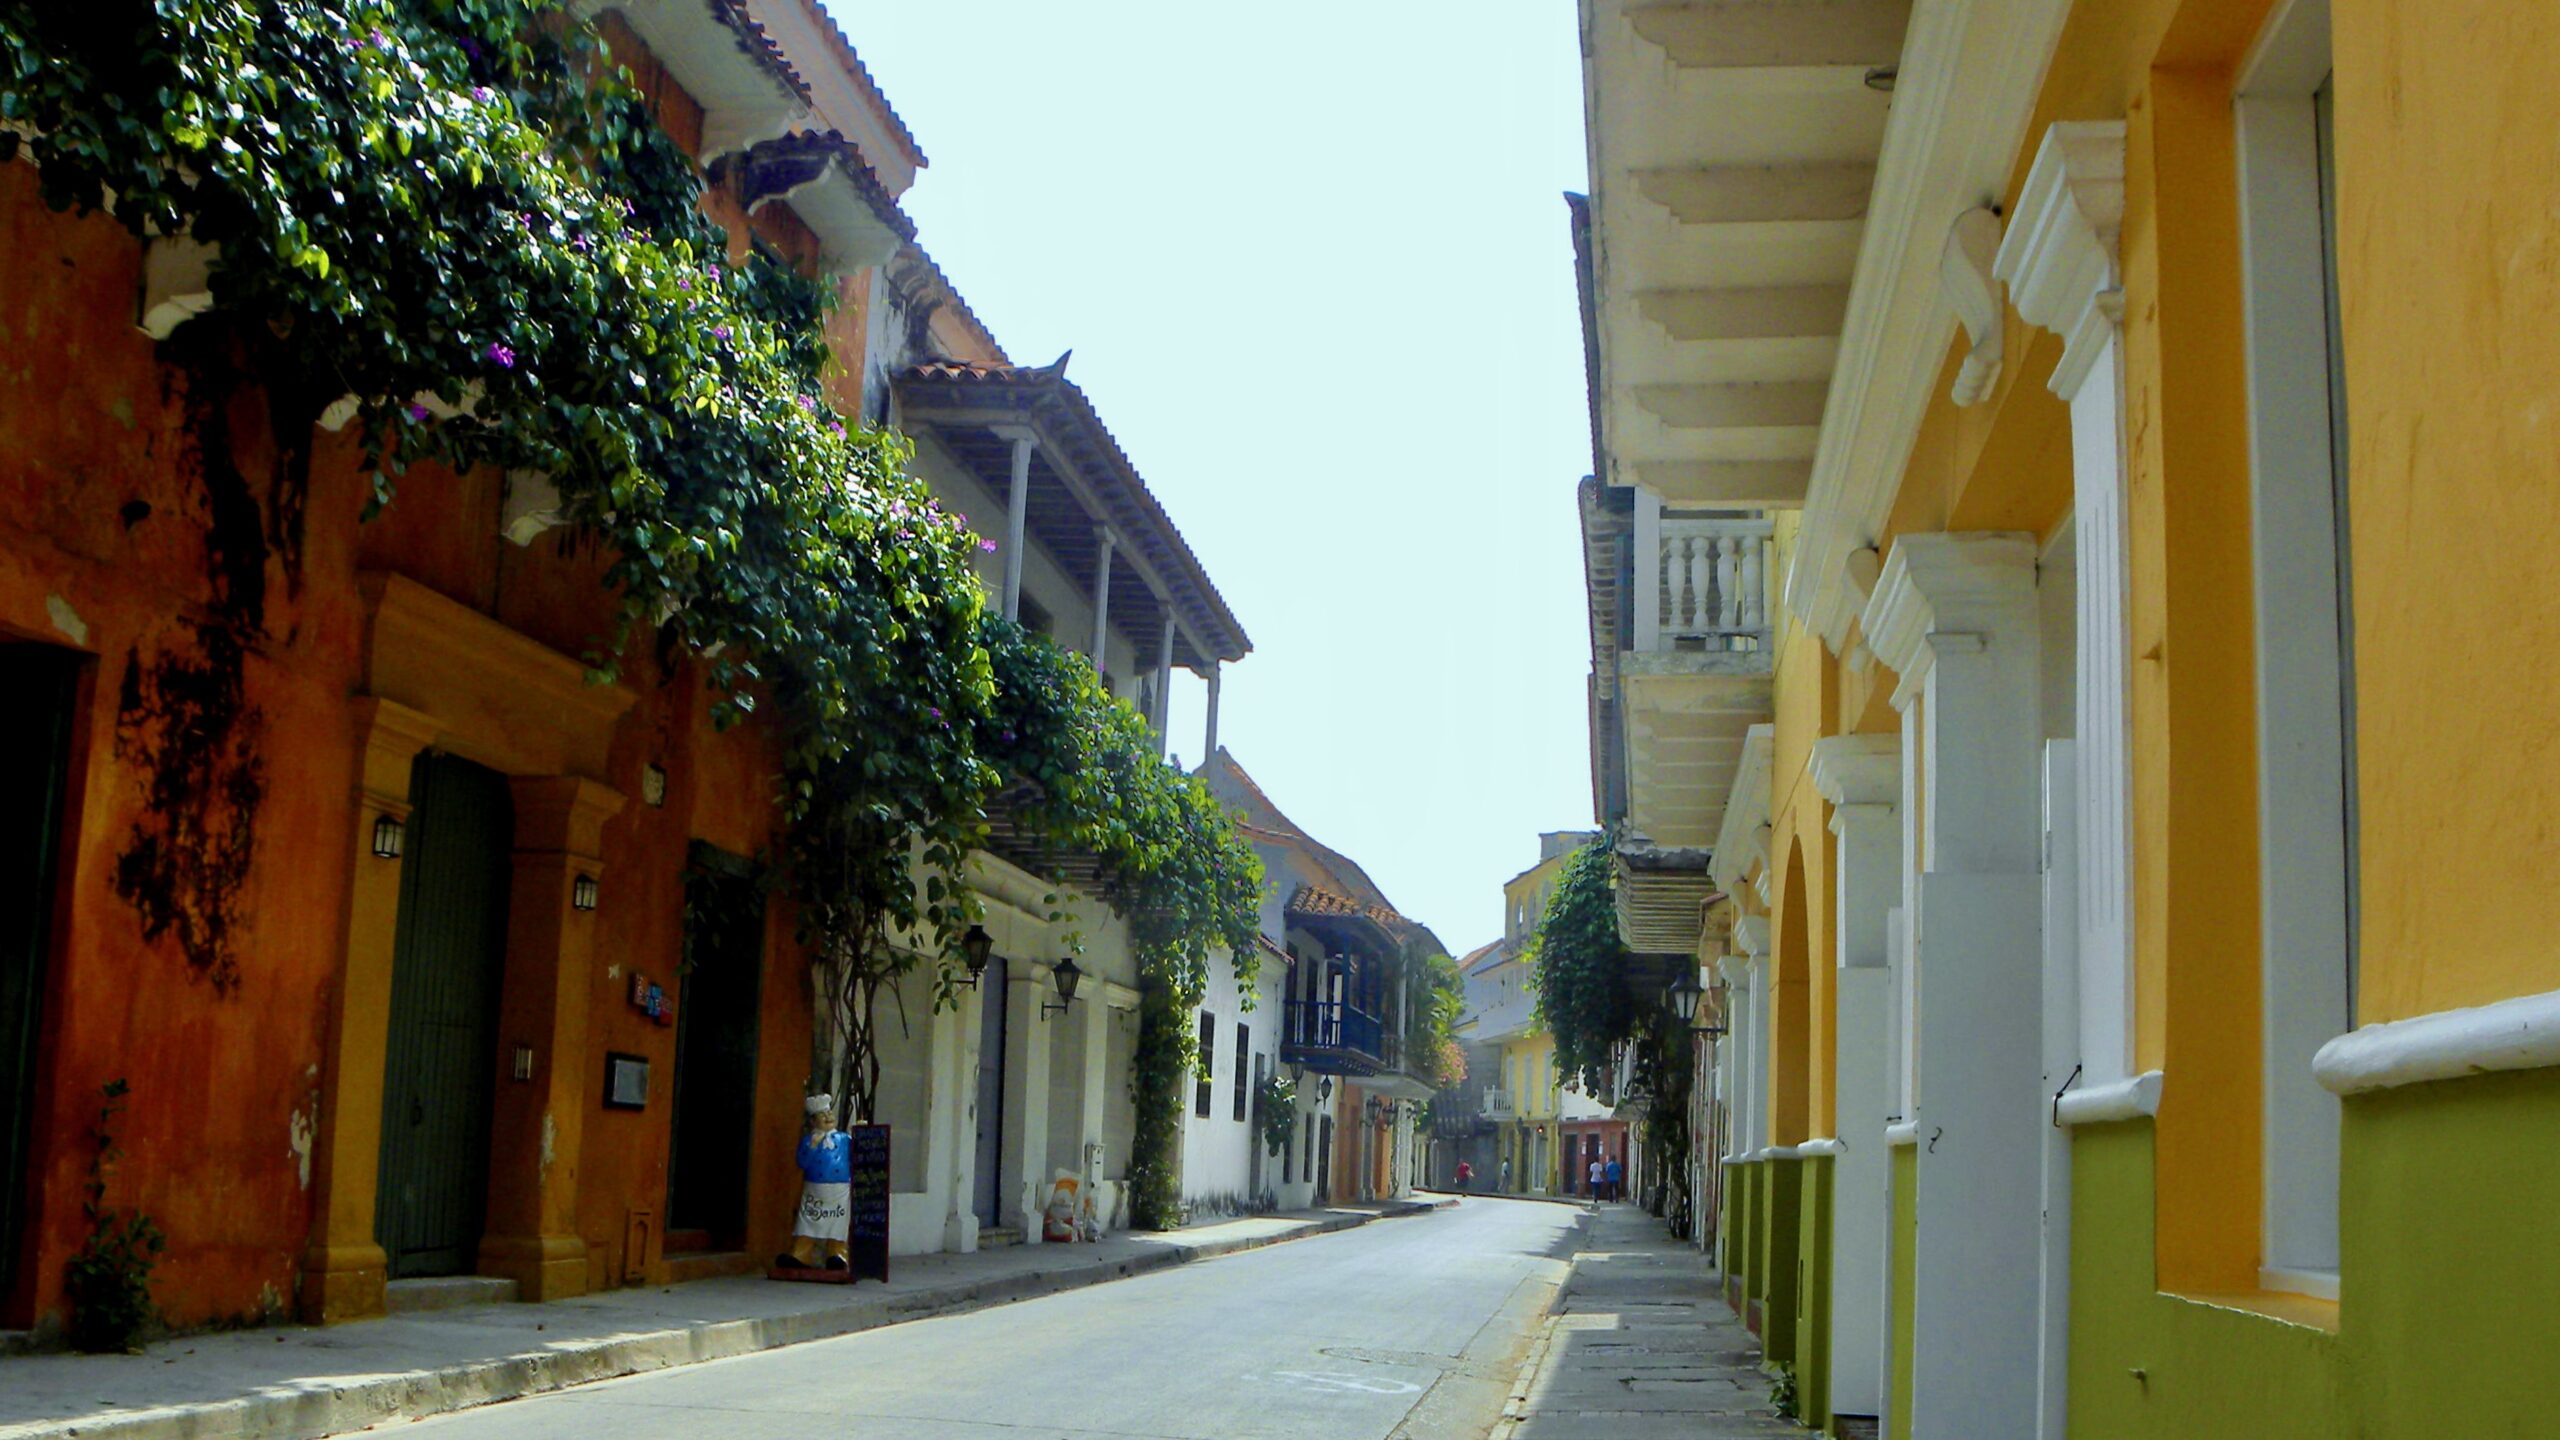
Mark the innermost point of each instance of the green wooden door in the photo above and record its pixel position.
(35, 733)
(717, 1021)
(441, 1061)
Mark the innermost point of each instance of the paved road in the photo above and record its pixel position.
(1409, 1329)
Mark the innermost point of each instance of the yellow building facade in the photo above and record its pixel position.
(2142, 1007)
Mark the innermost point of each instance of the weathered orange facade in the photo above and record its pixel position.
(258, 666)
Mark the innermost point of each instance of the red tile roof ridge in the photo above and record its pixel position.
(861, 75)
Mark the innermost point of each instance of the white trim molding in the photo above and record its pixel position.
(1902, 1132)
(1751, 935)
(1963, 95)
(2518, 1034)
(1819, 1149)
(1857, 769)
(2134, 1099)
(1966, 272)
(2060, 257)
(1743, 834)
(1943, 588)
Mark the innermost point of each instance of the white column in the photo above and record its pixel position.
(1955, 616)
(1017, 509)
(1209, 744)
(1861, 775)
(1646, 571)
(1101, 647)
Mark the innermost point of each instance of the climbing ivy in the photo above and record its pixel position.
(1169, 857)
(455, 225)
(1578, 965)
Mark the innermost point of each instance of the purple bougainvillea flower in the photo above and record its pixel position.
(715, 274)
(470, 47)
(835, 427)
(988, 547)
(501, 356)
(483, 94)
(417, 412)
(380, 40)
(684, 282)
(719, 332)
(1008, 737)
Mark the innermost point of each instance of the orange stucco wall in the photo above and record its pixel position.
(2450, 286)
(117, 459)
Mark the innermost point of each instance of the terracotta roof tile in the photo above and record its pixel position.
(861, 74)
(758, 45)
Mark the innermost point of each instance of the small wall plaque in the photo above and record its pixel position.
(626, 1081)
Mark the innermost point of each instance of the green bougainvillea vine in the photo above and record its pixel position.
(455, 224)
(1578, 965)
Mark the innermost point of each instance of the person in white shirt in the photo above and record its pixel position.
(1598, 1172)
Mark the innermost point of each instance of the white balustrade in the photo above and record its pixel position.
(1713, 585)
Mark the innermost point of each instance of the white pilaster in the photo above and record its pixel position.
(1955, 616)
(1861, 775)
(2060, 260)
(1026, 1097)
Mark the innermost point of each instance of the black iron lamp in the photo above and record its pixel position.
(1324, 1091)
(583, 893)
(1066, 977)
(975, 947)
(388, 836)
(1685, 993)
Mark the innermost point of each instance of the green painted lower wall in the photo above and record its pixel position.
(1813, 1292)
(2449, 1314)
(2450, 1259)
(1742, 1211)
(1901, 1262)
(1780, 1239)
(2147, 1364)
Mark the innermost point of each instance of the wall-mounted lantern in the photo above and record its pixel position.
(389, 834)
(975, 948)
(583, 893)
(1324, 1091)
(1685, 993)
(1066, 977)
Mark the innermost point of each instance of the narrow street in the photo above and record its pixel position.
(1412, 1329)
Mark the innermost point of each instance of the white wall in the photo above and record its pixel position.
(1218, 1150)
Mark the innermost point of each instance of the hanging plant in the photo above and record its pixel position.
(1578, 966)
(1275, 1111)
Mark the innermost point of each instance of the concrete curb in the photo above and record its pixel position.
(336, 1409)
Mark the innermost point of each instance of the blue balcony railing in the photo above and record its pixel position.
(1331, 1037)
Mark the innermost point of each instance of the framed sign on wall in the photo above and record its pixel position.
(626, 1081)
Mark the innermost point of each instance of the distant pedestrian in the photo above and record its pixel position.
(1506, 1174)
(1617, 1180)
(1466, 1175)
(1599, 1177)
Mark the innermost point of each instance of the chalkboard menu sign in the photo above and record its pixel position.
(869, 1242)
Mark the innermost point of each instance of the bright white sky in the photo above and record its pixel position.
(1314, 264)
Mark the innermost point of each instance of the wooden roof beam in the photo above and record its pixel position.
(1775, 34)
(1783, 312)
(1733, 407)
(1759, 194)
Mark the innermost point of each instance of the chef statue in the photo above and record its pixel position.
(826, 1191)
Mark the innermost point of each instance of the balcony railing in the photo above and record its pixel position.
(1497, 1105)
(1708, 581)
(1332, 1037)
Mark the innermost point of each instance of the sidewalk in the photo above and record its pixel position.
(303, 1381)
(1641, 1348)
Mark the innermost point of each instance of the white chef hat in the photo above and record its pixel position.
(820, 1104)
